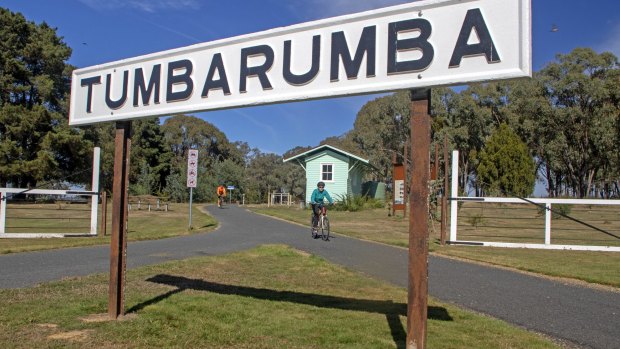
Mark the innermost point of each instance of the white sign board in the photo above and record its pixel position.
(420, 44)
(192, 168)
(399, 192)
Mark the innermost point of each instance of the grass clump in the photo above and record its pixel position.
(354, 203)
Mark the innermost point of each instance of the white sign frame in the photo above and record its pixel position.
(416, 45)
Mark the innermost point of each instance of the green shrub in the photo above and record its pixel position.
(476, 220)
(354, 203)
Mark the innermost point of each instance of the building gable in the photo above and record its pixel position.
(325, 162)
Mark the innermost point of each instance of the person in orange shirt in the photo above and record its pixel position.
(221, 194)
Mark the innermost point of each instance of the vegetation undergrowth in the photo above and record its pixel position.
(354, 203)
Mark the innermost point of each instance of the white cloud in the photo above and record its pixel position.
(142, 5)
(314, 9)
(612, 42)
(262, 125)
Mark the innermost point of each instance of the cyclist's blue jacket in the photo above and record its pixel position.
(318, 197)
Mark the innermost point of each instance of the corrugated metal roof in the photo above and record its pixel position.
(320, 148)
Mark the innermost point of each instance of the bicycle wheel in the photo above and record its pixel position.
(313, 224)
(325, 229)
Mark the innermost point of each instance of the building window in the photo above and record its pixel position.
(327, 172)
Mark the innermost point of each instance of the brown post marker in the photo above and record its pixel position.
(444, 197)
(435, 170)
(394, 182)
(417, 301)
(104, 213)
(407, 165)
(118, 242)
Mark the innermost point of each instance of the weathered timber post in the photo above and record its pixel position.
(118, 241)
(104, 213)
(417, 301)
(444, 197)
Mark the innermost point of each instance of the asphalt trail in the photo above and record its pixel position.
(589, 318)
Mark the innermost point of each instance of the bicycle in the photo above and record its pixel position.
(321, 224)
(220, 201)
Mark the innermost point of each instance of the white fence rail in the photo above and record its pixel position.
(547, 202)
(94, 195)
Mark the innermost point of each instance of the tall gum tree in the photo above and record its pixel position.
(583, 89)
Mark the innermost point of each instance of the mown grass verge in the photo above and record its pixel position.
(142, 225)
(376, 225)
(267, 297)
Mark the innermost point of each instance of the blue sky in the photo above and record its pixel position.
(101, 31)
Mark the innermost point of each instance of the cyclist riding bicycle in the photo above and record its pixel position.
(318, 198)
(221, 194)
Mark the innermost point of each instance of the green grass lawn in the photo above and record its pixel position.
(62, 218)
(267, 297)
(376, 225)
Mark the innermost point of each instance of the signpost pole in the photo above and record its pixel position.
(417, 301)
(191, 193)
(192, 178)
(118, 241)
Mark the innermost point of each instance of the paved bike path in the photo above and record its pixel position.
(584, 316)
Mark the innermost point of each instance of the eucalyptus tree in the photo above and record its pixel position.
(381, 128)
(583, 132)
(184, 132)
(263, 174)
(476, 111)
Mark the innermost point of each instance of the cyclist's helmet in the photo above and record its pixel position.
(320, 184)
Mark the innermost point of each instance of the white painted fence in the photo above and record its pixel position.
(547, 202)
(94, 195)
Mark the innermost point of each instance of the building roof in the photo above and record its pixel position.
(321, 148)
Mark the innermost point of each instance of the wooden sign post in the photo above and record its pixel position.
(118, 241)
(418, 219)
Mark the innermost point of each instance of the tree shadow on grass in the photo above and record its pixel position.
(391, 310)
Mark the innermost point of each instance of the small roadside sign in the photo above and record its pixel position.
(230, 187)
(192, 168)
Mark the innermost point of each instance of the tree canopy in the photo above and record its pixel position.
(505, 166)
(36, 142)
(562, 125)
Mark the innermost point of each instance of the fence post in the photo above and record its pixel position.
(548, 223)
(3, 202)
(454, 192)
(94, 203)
